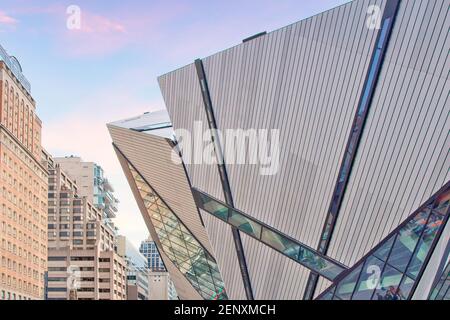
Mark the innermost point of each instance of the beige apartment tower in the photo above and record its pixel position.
(23, 188)
(82, 262)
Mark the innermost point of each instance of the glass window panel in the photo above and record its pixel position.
(206, 282)
(243, 223)
(434, 223)
(406, 286)
(202, 270)
(346, 286)
(443, 290)
(169, 222)
(176, 239)
(383, 252)
(214, 207)
(329, 294)
(406, 241)
(319, 264)
(369, 279)
(389, 285)
(442, 203)
(179, 242)
(192, 247)
(280, 243)
(207, 293)
(447, 295)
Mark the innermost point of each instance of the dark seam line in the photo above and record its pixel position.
(223, 176)
(354, 139)
(173, 145)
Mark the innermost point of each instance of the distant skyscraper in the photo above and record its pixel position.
(138, 271)
(150, 251)
(23, 188)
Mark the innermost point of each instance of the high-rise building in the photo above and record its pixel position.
(150, 251)
(315, 156)
(23, 188)
(92, 183)
(158, 273)
(82, 261)
(161, 287)
(137, 270)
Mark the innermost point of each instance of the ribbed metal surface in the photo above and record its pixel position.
(184, 289)
(404, 153)
(151, 155)
(182, 96)
(275, 276)
(303, 80)
(183, 99)
(221, 239)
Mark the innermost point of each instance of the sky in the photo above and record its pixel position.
(105, 68)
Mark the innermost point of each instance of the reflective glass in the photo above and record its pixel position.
(388, 289)
(406, 241)
(346, 286)
(441, 288)
(405, 253)
(215, 208)
(328, 295)
(280, 243)
(442, 203)
(295, 250)
(245, 224)
(383, 252)
(406, 286)
(180, 246)
(369, 279)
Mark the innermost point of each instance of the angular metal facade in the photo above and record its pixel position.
(308, 81)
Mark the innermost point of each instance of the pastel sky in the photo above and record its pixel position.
(84, 78)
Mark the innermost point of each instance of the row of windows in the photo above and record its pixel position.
(21, 253)
(8, 230)
(20, 187)
(6, 295)
(20, 119)
(21, 285)
(26, 159)
(22, 220)
(24, 270)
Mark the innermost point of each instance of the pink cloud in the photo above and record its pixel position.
(96, 24)
(6, 19)
(108, 33)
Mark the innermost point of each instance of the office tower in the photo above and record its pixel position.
(158, 273)
(161, 287)
(82, 262)
(329, 140)
(137, 270)
(149, 250)
(92, 183)
(23, 188)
